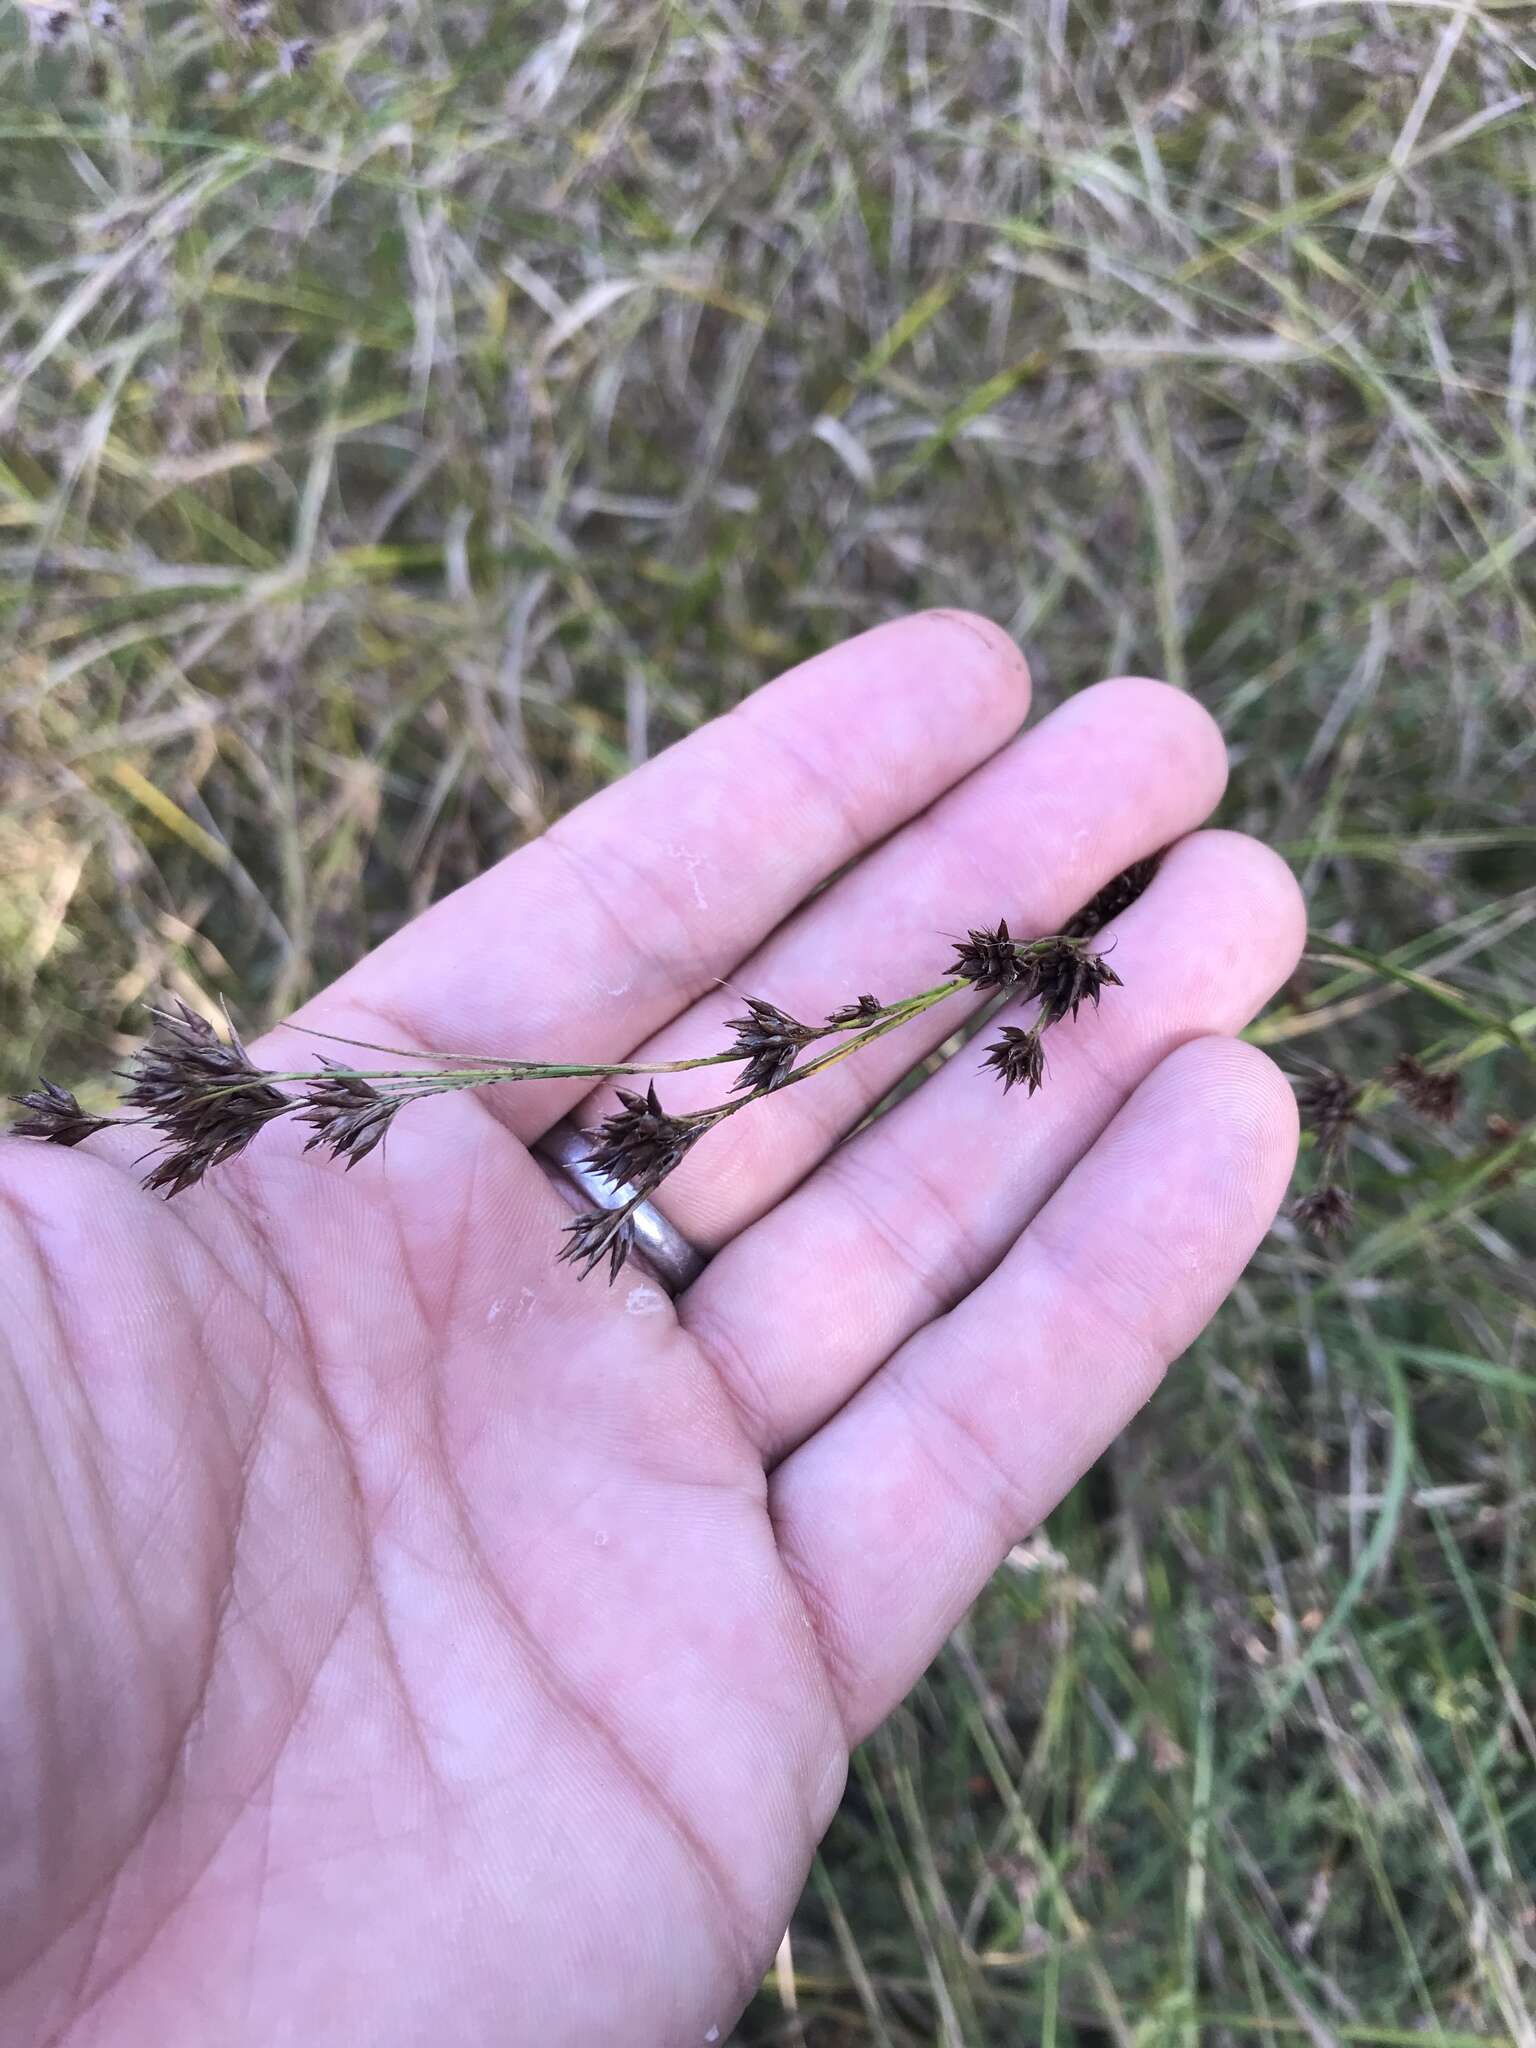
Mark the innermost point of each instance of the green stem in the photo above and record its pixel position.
(491, 1071)
(897, 1014)
(537, 1070)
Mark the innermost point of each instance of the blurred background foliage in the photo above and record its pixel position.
(412, 417)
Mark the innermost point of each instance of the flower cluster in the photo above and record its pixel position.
(1018, 1058)
(600, 1234)
(202, 1094)
(1329, 1105)
(865, 1010)
(1433, 1092)
(1061, 971)
(206, 1100)
(769, 1042)
(634, 1149)
(1325, 1210)
(1332, 1106)
(639, 1144)
(54, 1116)
(348, 1114)
(989, 959)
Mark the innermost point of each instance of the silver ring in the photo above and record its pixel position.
(675, 1262)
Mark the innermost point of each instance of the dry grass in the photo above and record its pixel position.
(394, 449)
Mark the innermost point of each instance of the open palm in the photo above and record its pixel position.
(404, 1642)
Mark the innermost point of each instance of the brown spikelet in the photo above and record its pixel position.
(203, 1095)
(1327, 1102)
(638, 1145)
(1017, 1057)
(1325, 1211)
(991, 959)
(55, 1117)
(1432, 1092)
(1067, 975)
(600, 1234)
(348, 1114)
(769, 1041)
(866, 1010)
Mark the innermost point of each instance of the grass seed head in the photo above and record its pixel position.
(1018, 1057)
(865, 1010)
(600, 1234)
(1067, 975)
(348, 1114)
(639, 1144)
(1327, 1102)
(769, 1041)
(1432, 1092)
(1326, 1211)
(55, 1117)
(991, 959)
(202, 1093)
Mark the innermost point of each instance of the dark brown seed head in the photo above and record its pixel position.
(55, 1117)
(865, 1011)
(768, 1041)
(1325, 1211)
(1018, 1057)
(993, 960)
(602, 1234)
(186, 1053)
(639, 1144)
(348, 1114)
(1432, 1092)
(1327, 1103)
(1114, 897)
(1067, 975)
(204, 1096)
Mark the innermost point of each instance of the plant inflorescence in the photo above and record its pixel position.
(205, 1099)
(1333, 1107)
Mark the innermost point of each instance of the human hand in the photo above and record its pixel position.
(405, 1642)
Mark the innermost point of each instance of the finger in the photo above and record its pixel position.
(893, 1516)
(593, 935)
(902, 1221)
(1115, 773)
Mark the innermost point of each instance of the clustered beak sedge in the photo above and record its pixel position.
(1333, 1107)
(205, 1100)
